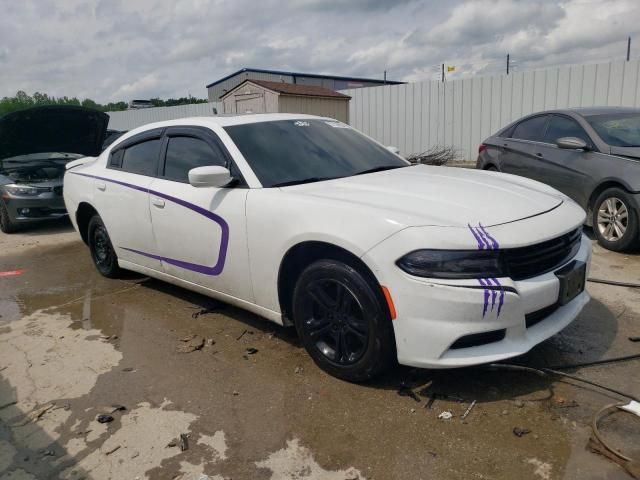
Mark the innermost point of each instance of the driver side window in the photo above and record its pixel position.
(565, 127)
(185, 153)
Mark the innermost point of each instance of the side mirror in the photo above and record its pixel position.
(210, 176)
(572, 143)
(393, 149)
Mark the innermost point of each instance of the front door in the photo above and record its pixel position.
(200, 231)
(566, 169)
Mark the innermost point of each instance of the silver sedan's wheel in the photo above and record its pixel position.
(613, 219)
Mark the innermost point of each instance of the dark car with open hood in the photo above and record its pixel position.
(35, 146)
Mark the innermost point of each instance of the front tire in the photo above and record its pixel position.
(342, 322)
(6, 225)
(615, 220)
(102, 252)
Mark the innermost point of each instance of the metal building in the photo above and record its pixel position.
(260, 96)
(218, 88)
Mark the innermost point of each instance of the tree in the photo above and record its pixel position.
(22, 100)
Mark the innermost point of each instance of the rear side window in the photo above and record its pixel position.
(185, 153)
(142, 158)
(564, 127)
(531, 129)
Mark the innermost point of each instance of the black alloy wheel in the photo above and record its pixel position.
(342, 321)
(102, 252)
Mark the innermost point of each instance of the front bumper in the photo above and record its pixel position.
(435, 316)
(25, 209)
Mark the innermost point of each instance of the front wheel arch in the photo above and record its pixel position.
(303, 254)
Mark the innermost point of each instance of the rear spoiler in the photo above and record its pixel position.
(78, 162)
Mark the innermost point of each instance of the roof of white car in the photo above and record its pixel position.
(227, 120)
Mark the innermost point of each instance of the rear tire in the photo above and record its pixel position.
(102, 252)
(6, 225)
(615, 220)
(342, 322)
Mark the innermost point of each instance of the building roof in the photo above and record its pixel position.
(298, 74)
(292, 89)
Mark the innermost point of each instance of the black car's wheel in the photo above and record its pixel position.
(615, 220)
(6, 225)
(342, 321)
(102, 252)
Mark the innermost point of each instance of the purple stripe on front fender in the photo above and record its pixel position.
(481, 244)
(224, 239)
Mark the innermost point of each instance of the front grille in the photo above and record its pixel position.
(536, 317)
(477, 339)
(534, 260)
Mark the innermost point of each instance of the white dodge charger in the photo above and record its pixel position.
(305, 221)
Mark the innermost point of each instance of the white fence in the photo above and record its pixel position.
(129, 119)
(461, 113)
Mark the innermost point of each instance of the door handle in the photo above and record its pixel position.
(539, 155)
(101, 186)
(158, 202)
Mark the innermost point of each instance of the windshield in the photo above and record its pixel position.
(287, 152)
(619, 129)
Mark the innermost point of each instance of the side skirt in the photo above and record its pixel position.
(223, 297)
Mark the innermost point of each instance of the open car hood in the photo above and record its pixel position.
(53, 129)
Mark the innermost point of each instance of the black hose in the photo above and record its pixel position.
(596, 362)
(613, 282)
(548, 371)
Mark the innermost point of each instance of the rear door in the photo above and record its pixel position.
(200, 231)
(122, 197)
(521, 149)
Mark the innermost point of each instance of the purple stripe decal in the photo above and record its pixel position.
(486, 296)
(493, 241)
(224, 240)
(478, 238)
(497, 283)
(486, 241)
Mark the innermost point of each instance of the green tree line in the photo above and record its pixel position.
(22, 100)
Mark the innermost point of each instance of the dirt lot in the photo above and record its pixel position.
(74, 345)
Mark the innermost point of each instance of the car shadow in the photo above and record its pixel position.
(32, 455)
(46, 227)
(587, 339)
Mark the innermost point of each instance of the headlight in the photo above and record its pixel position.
(453, 264)
(21, 189)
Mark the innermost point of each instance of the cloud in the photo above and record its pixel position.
(117, 50)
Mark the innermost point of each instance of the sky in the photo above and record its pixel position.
(110, 50)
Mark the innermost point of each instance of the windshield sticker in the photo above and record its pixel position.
(337, 125)
(300, 123)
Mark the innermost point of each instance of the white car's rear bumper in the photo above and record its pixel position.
(433, 316)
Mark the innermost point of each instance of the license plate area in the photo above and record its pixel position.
(572, 279)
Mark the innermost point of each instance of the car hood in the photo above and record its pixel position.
(454, 197)
(630, 152)
(52, 129)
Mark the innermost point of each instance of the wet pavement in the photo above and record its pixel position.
(74, 345)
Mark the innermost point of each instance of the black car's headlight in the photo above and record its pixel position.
(14, 189)
(453, 264)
